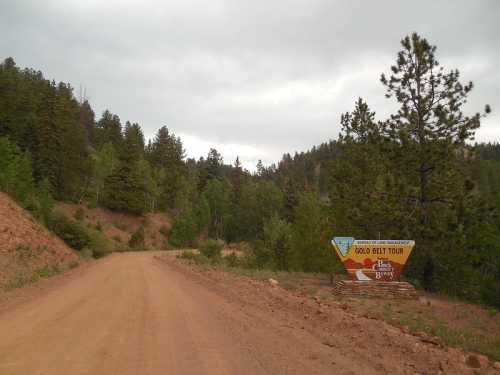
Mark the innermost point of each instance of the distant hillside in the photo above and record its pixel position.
(28, 251)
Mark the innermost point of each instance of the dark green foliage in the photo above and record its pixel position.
(258, 202)
(42, 118)
(16, 176)
(45, 202)
(310, 237)
(202, 213)
(166, 155)
(78, 237)
(212, 249)
(134, 141)
(109, 130)
(137, 239)
(123, 190)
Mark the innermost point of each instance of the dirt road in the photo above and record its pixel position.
(135, 314)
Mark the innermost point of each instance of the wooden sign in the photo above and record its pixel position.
(378, 260)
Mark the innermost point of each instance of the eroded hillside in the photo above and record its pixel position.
(28, 251)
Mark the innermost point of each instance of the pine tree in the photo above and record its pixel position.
(214, 164)
(429, 134)
(166, 153)
(123, 189)
(236, 177)
(109, 129)
(365, 198)
(134, 141)
(87, 122)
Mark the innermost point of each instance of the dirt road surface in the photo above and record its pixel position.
(135, 313)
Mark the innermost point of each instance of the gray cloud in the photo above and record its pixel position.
(253, 78)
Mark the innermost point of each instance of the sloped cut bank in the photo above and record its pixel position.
(28, 251)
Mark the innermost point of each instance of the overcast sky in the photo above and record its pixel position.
(251, 78)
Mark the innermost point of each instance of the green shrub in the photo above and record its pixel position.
(99, 244)
(74, 234)
(78, 237)
(195, 258)
(137, 239)
(86, 253)
(232, 260)
(212, 249)
(48, 271)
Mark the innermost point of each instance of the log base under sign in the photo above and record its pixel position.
(378, 289)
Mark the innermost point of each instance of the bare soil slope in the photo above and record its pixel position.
(119, 227)
(136, 313)
(27, 250)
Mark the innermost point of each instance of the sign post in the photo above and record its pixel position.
(374, 267)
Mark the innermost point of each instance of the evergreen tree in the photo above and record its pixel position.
(429, 134)
(123, 189)
(109, 129)
(362, 183)
(214, 165)
(259, 201)
(167, 154)
(134, 141)
(87, 122)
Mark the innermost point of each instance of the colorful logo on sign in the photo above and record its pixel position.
(366, 260)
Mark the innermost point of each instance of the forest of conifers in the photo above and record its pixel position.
(416, 175)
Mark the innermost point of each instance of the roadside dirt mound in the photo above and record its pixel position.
(119, 227)
(28, 251)
(362, 344)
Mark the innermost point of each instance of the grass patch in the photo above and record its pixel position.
(15, 283)
(40, 273)
(466, 338)
(25, 253)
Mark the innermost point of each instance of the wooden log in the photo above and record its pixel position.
(375, 289)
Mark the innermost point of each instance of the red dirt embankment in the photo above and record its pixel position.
(27, 250)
